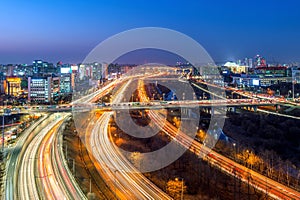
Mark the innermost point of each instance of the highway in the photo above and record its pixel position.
(27, 186)
(119, 174)
(15, 154)
(252, 97)
(42, 173)
(54, 179)
(264, 184)
(36, 166)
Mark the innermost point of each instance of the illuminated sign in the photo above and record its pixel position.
(256, 82)
(65, 70)
(13, 79)
(74, 67)
(37, 80)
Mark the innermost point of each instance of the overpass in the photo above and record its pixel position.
(230, 104)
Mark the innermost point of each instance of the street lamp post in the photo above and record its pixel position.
(182, 183)
(234, 146)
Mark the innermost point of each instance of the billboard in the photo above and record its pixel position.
(74, 68)
(65, 70)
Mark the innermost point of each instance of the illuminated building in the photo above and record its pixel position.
(104, 70)
(250, 63)
(55, 87)
(260, 61)
(237, 69)
(43, 89)
(37, 65)
(279, 71)
(81, 71)
(12, 86)
(2, 78)
(41, 67)
(296, 76)
(65, 83)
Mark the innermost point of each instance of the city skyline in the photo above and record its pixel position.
(230, 30)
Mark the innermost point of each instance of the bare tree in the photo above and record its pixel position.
(175, 188)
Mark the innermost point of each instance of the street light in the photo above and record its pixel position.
(177, 179)
(234, 144)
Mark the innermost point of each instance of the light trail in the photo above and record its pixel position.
(274, 189)
(42, 170)
(27, 188)
(125, 179)
(120, 175)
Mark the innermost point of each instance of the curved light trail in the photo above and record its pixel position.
(42, 173)
(264, 184)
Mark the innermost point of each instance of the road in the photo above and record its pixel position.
(16, 152)
(41, 171)
(264, 184)
(53, 177)
(120, 175)
(27, 186)
(250, 95)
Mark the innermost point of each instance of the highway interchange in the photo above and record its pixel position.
(36, 168)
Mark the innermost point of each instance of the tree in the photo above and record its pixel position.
(268, 157)
(2, 170)
(253, 160)
(175, 188)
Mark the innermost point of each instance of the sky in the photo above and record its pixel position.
(55, 30)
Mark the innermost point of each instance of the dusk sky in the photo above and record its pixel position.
(68, 30)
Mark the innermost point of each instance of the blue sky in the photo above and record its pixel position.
(68, 30)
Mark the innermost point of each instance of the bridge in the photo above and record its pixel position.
(205, 105)
(230, 105)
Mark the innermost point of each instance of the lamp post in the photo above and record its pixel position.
(182, 183)
(234, 146)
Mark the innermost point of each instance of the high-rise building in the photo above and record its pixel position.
(260, 61)
(250, 63)
(104, 69)
(2, 79)
(41, 67)
(65, 83)
(37, 65)
(39, 89)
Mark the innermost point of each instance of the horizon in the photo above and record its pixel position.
(230, 30)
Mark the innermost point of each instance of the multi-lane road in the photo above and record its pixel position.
(124, 179)
(14, 157)
(38, 170)
(119, 174)
(264, 184)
